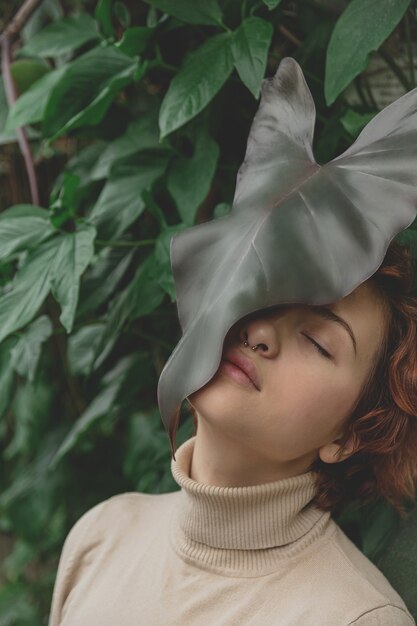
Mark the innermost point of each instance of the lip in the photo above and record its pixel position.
(243, 363)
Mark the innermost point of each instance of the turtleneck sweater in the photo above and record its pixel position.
(205, 555)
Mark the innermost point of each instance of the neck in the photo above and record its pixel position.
(226, 462)
(242, 530)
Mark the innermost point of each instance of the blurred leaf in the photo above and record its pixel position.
(102, 278)
(30, 106)
(103, 405)
(7, 375)
(22, 227)
(16, 607)
(103, 16)
(398, 562)
(122, 13)
(120, 203)
(142, 296)
(134, 40)
(354, 122)
(199, 168)
(25, 72)
(27, 350)
(200, 77)
(62, 36)
(56, 266)
(250, 47)
(86, 89)
(162, 272)
(74, 254)
(140, 134)
(272, 4)
(196, 12)
(361, 28)
(82, 347)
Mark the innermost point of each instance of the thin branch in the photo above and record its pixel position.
(21, 17)
(11, 95)
(6, 39)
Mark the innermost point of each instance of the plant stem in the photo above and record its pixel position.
(11, 95)
(409, 48)
(125, 244)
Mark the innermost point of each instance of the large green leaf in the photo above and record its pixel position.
(200, 169)
(86, 89)
(142, 296)
(55, 265)
(250, 47)
(202, 74)
(103, 405)
(362, 27)
(26, 352)
(74, 254)
(195, 12)
(62, 36)
(23, 226)
(30, 106)
(140, 134)
(298, 231)
(120, 202)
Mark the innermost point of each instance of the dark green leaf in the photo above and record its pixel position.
(250, 47)
(103, 16)
(30, 106)
(195, 12)
(142, 296)
(122, 13)
(86, 89)
(23, 226)
(354, 122)
(120, 203)
(134, 40)
(27, 350)
(272, 4)
(140, 134)
(62, 36)
(200, 169)
(362, 27)
(203, 73)
(25, 72)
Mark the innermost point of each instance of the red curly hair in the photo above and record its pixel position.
(383, 423)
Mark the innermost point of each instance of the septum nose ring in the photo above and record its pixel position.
(245, 343)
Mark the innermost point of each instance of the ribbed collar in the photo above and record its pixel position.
(243, 531)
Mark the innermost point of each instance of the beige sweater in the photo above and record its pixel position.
(218, 556)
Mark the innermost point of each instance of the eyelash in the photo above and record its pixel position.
(318, 347)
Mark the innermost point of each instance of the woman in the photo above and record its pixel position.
(327, 416)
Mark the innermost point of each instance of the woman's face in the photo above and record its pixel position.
(305, 396)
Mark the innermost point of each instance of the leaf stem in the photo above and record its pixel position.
(125, 244)
(409, 49)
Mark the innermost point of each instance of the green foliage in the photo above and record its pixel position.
(139, 112)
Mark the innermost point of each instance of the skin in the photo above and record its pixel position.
(249, 437)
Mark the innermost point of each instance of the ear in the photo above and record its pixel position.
(334, 453)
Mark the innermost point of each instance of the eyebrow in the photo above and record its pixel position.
(327, 314)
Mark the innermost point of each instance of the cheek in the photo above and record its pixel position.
(306, 410)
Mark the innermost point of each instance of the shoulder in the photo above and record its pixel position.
(387, 615)
(109, 517)
(96, 531)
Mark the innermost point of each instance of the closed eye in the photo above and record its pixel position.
(318, 347)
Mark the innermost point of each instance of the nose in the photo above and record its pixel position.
(263, 333)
